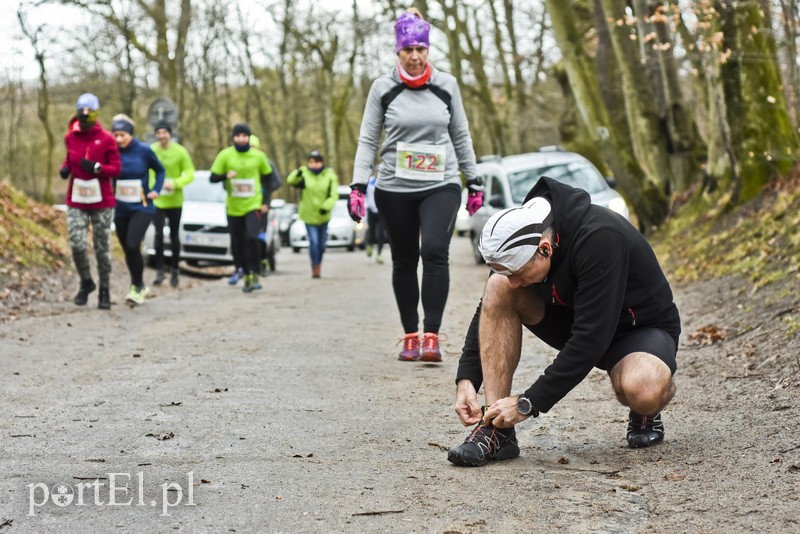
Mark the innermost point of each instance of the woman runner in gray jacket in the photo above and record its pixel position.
(419, 187)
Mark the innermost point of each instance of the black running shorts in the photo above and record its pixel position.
(557, 323)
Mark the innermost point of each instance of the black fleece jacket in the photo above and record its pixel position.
(605, 271)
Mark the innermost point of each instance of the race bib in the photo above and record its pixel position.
(86, 191)
(243, 187)
(129, 191)
(420, 162)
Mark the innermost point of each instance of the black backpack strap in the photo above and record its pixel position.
(443, 95)
(391, 95)
(440, 93)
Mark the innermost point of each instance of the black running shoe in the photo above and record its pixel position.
(485, 444)
(644, 430)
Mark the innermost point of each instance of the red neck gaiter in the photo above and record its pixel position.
(415, 82)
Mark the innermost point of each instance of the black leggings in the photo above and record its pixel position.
(244, 240)
(174, 216)
(430, 214)
(130, 232)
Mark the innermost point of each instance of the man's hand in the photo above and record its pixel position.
(503, 413)
(264, 208)
(467, 406)
(231, 174)
(152, 195)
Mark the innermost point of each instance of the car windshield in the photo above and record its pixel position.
(580, 174)
(201, 190)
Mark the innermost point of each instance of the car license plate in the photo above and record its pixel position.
(204, 239)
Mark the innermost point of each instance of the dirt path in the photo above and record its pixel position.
(292, 414)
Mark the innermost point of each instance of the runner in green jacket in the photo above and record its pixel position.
(245, 172)
(319, 192)
(169, 205)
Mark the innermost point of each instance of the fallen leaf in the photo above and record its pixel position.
(674, 477)
(707, 335)
(630, 487)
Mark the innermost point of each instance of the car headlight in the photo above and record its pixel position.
(618, 205)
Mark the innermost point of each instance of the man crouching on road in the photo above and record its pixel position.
(587, 283)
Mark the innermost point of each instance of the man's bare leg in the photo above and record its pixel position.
(503, 312)
(644, 383)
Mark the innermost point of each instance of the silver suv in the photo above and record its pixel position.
(508, 180)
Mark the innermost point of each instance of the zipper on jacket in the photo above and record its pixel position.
(556, 298)
(633, 317)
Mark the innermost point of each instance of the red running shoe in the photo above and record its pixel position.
(430, 348)
(410, 352)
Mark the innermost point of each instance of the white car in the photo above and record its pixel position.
(506, 182)
(342, 230)
(204, 227)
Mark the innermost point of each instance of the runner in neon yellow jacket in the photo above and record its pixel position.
(169, 205)
(319, 193)
(245, 173)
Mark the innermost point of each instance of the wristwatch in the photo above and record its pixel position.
(525, 407)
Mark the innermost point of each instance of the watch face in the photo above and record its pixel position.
(524, 406)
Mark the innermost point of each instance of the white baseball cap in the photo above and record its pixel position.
(511, 236)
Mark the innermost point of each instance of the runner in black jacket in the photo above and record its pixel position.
(586, 282)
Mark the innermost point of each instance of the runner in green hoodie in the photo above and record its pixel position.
(179, 173)
(319, 193)
(246, 174)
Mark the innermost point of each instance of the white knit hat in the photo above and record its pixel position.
(510, 237)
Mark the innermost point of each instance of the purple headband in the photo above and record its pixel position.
(410, 30)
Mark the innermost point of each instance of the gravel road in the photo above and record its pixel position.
(208, 410)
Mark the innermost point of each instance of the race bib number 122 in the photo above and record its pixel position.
(420, 162)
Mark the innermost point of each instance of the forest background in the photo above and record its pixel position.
(689, 104)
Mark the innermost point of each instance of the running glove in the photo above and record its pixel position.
(356, 206)
(474, 195)
(474, 202)
(63, 172)
(89, 165)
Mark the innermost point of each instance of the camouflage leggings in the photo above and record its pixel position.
(78, 221)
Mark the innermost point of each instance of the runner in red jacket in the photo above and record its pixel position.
(92, 161)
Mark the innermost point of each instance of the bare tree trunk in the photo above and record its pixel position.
(790, 24)
(657, 48)
(647, 134)
(170, 62)
(649, 202)
(42, 107)
(762, 134)
(12, 109)
(456, 27)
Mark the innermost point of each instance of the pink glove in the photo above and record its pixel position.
(356, 205)
(474, 202)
